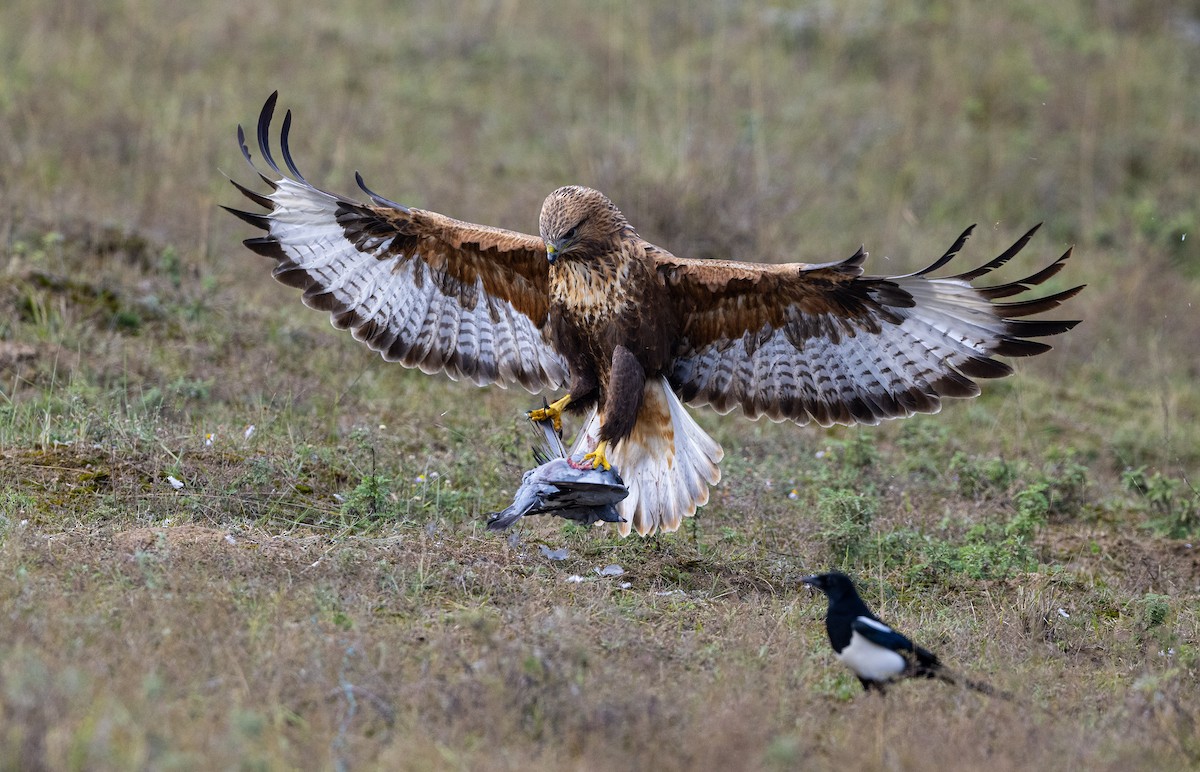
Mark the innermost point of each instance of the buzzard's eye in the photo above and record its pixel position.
(571, 234)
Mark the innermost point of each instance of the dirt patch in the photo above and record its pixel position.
(158, 539)
(14, 353)
(190, 542)
(1145, 563)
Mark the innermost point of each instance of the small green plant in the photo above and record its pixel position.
(1032, 505)
(846, 516)
(371, 499)
(1066, 481)
(1173, 503)
(987, 550)
(860, 451)
(847, 463)
(978, 478)
(731, 536)
(925, 447)
(1153, 610)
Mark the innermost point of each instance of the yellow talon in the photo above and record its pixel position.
(598, 457)
(553, 411)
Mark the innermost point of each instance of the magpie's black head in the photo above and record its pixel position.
(835, 585)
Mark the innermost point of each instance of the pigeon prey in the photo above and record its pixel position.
(558, 487)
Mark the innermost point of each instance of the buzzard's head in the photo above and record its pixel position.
(579, 222)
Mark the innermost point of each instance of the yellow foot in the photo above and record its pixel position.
(598, 457)
(553, 411)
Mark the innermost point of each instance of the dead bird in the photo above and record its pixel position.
(558, 487)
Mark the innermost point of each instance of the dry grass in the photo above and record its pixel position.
(320, 592)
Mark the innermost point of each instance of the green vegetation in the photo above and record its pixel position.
(1174, 503)
(231, 537)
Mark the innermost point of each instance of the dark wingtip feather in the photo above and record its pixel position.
(1000, 260)
(257, 220)
(292, 275)
(286, 150)
(950, 253)
(984, 367)
(1021, 285)
(264, 131)
(378, 199)
(241, 137)
(954, 384)
(1030, 328)
(257, 198)
(266, 246)
(1035, 306)
(1018, 347)
(1015, 344)
(918, 400)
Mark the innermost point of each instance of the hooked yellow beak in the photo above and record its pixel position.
(551, 251)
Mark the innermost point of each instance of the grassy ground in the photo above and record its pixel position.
(229, 537)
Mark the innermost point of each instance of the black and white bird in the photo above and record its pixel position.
(875, 652)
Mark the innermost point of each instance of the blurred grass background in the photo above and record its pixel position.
(140, 341)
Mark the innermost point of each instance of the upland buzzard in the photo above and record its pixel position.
(631, 330)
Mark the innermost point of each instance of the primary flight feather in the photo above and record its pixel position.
(631, 330)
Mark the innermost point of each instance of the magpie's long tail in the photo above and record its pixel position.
(958, 680)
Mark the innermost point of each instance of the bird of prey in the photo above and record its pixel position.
(875, 652)
(634, 332)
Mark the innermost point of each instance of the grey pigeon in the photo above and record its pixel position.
(555, 487)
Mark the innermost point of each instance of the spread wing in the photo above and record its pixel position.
(824, 343)
(420, 288)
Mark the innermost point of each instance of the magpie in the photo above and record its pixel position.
(875, 652)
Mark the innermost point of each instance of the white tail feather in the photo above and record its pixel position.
(667, 463)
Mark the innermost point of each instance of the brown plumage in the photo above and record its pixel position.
(631, 329)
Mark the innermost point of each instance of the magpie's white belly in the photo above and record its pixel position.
(871, 661)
